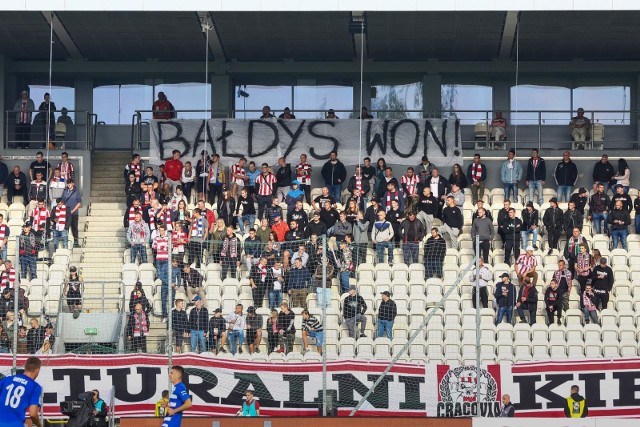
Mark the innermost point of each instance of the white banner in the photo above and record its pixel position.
(402, 141)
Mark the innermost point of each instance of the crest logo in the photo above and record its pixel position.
(459, 385)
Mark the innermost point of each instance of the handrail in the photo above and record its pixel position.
(34, 136)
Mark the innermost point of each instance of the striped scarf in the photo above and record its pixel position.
(263, 272)
(140, 328)
(3, 232)
(161, 246)
(136, 169)
(476, 172)
(132, 213)
(148, 197)
(358, 182)
(61, 217)
(389, 198)
(215, 174)
(152, 219)
(197, 230)
(8, 278)
(166, 218)
(40, 216)
(230, 247)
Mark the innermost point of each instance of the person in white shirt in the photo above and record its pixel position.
(482, 275)
(236, 322)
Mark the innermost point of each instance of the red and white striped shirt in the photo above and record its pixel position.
(8, 278)
(410, 183)
(525, 263)
(39, 217)
(60, 216)
(178, 237)
(161, 246)
(266, 184)
(303, 173)
(236, 169)
(67, 170)
(23, 113)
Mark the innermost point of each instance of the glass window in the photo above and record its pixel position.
(62, 96)
(322, 98)
(399, 101)
(116, 104)
(540, 98)
(187, 96)
(470, 103)
(276, 97)
(608, 105)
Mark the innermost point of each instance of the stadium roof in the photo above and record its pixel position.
(323, 36)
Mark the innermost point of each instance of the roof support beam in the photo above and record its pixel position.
(508, 34)
(62, 34)
(358, 27)
(215, 44)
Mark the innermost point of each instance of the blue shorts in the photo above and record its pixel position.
(319, 336)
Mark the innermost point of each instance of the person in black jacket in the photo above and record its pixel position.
(452, 222)
(576, 406)
(503, 217)
(334, 174)
(572, 219)
(619, 219)
(17, 186)
(198, 323)
(180, 324)
(284, 177)
(536, 175)
(580, 199)
(371, 214)
(552, 221)
(553, 296)
(216, 330)
(441, 184)
(353, 309)
(602, 281)
(511, 230)
(358, 181)
(427, 206)
(530, 225)
(599, 208)
(619, 194)
(315, 226)
(566, 174)
(387, 313)
(35, 336)
(508, 410)
(636, 207)
(603, 172)
(527, 300)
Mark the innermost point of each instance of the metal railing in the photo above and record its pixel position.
(73, 129)
(525, 128)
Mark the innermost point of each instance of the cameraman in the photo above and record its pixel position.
(99, 414)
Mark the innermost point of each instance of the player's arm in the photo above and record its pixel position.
(34, 414)
(186, 405)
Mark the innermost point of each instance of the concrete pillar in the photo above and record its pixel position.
(221, 96)
(431, 95)
(634, 105)
(502, 96)
(84, 98)
(366, 96)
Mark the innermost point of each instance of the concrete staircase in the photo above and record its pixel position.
(104, 237)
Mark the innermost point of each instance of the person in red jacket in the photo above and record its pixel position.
(173, 170)
(162, 108)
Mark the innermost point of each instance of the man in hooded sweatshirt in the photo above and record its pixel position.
(294, 195)
(576, 406)
(381, 235)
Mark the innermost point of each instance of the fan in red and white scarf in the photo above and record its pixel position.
(8, 275)
(60, 214)
(148, 196)
(67, 170)
(135, 166)
(5, 232)
(130, 215)
(39, 217)
(476, 172)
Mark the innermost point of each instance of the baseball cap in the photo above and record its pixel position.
(529, 248)
(197, 298)
(504, 275)
(387, 293)
(553, 200)
(251, 309)
(580, 110)
(217, 310)
(582, 190)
